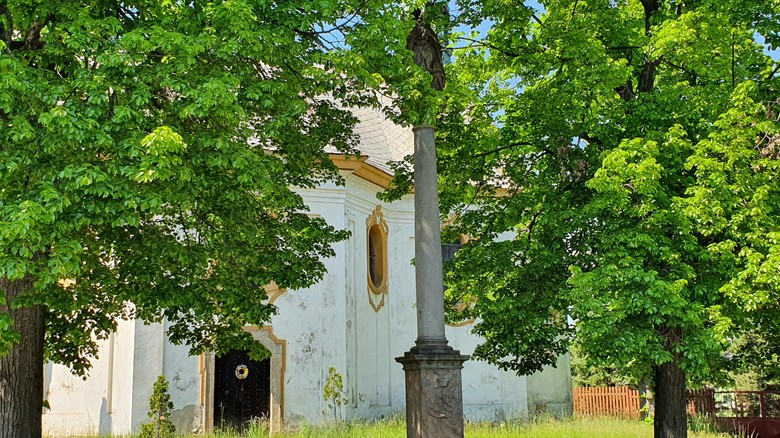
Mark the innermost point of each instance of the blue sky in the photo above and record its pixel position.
(485, 26)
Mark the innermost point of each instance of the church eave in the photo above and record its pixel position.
(361, 169)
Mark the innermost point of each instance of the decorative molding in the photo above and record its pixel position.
(273, 291)
(376, 258)
(374, 175)
(348, 162)
(460, 306)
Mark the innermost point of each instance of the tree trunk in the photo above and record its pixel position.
(21, 371)
(671, 417)
(647, 409)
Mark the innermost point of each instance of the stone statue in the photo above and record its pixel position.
(422, 40)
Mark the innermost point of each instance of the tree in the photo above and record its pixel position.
(614, 162)
(758, 359)
(584, 373)
(147, 152)
(160, 408)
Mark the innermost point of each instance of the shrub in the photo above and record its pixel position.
(334, 393)
(160, 407)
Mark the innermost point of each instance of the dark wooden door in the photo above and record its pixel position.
(237, 400)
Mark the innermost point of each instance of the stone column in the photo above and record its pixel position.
(434, 391)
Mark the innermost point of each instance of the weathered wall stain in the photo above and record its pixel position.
(186, 419)
(183, 384)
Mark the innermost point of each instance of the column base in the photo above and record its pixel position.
(434, 390)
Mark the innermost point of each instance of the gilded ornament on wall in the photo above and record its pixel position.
(376, 258)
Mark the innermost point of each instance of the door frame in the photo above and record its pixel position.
(278, 348)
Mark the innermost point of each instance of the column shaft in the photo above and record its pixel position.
(427, 246)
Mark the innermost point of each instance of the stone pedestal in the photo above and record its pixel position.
(434, 391)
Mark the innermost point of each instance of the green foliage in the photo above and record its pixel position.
(585, 373)
(148, 154)
(334, 393)
(757, 355)
(7, 337)
(160, 407)
(617, 163)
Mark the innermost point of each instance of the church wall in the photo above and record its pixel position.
(311, 321)
(402, 330)
(115, 397)
(331, 324)
(120, 393)
(550, 390)
(102, 403)
(489, 394)
(147, 365)
(74, 406)
(183, 374)
(375, 381)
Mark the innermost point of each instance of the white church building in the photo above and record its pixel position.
(356, 320)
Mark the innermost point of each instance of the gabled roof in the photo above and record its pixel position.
(381, 141)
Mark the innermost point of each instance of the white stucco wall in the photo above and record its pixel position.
(184, 385)
(330, 324)
(101, 404)
(550, 390)
(311, 321)
(76, 405)
(375, 380)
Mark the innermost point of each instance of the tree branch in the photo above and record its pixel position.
(502, 148)
(773, 72)
(623, 48)
(345, 23)
(490, 46)
(590, 139)
(626, 92)
(651, 7)
(33, 40)
(7, 32)
(647, 77)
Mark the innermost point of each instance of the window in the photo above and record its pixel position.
(376, 246)
(376, 261)
(448, 251)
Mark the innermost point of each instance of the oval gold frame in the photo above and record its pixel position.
(377, 229)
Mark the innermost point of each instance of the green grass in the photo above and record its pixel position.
(537, 428)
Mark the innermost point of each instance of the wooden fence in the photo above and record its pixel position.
(617, 401)
(744, 413)
(701, 402)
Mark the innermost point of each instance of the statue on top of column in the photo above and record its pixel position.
(422, 40)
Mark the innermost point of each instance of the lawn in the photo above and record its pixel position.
(537, 428)
(540, 428)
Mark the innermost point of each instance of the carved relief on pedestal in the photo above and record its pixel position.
(443, 394)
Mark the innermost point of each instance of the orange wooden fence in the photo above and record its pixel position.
(617, 401)
(701, 402)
